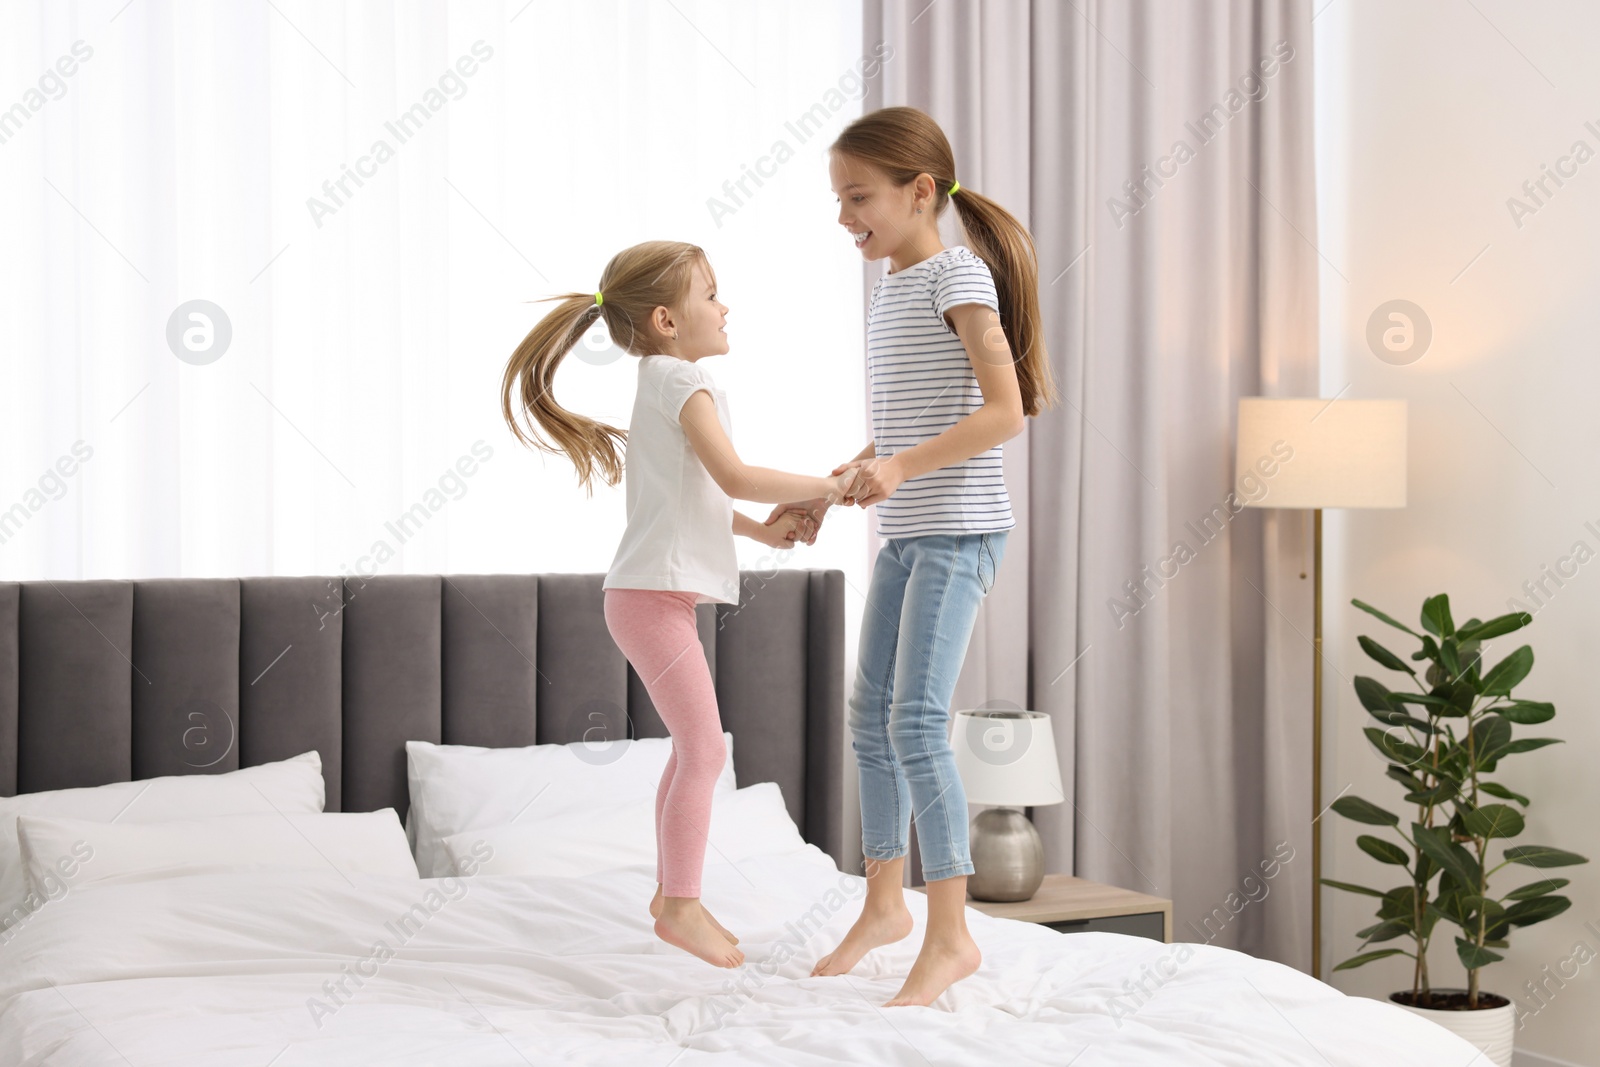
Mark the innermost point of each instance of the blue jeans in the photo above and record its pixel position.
(921, 605)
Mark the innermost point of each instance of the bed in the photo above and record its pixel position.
(119, 682)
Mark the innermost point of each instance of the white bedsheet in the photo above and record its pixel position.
(229, 968)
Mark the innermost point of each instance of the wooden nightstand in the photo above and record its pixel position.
(1073, 904)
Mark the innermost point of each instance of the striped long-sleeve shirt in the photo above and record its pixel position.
(922, 384)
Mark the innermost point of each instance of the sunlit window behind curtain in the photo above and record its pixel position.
(265, 263)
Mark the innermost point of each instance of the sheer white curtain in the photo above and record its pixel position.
(370, 194)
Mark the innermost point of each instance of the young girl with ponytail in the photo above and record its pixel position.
(659, 303)
(956, 361)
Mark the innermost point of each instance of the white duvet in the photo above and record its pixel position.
(237, 968)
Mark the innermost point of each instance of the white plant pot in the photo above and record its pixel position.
(1489, 1029)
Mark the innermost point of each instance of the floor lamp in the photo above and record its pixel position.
(1314, 453)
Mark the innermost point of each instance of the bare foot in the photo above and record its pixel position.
(655, 913)
(939, 966)
(872, 929)
(687, 926)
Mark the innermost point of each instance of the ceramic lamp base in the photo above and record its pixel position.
(1007, 856)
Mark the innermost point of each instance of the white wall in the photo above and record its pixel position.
(1430, 116)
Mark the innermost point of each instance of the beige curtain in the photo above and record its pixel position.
(1161, 154)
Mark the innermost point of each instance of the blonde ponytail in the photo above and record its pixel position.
(636, 282)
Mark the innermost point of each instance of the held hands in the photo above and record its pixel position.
(783, 528)
(798, 522)
(877, 477)
(858, 481)
(802, 519)
(843, 489)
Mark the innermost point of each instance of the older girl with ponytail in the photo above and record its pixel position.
(659, 303)
(956, 361)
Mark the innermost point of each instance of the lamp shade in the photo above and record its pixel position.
(1007, 758)
(1306, 452)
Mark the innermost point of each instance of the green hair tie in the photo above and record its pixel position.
(954, 189)
(598, 299)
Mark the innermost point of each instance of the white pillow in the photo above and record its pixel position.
(455, 788)
(78, 852)
(746, 823)
(291, 785)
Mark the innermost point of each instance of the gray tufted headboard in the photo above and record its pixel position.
(104, 681)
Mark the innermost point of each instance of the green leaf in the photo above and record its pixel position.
(1462, 695)
(1495, 627)
(1528, 712)
(1451, 907)
(1382, 851)
(1505, 675)
(1405, 777)
(1473, 957)
(1451, 857)
(1393, 748)
(1368, 957)
(1490, 737)
(1437, 795)
(1375, 696)
(1528, 912)
(1434, 787)
(1528, 744)
(1420, 725)
(1543, 856)
(1436, 616)
(1497, 790)
(1364, 811)
(1383, 655)
(1493, 820)
(1387, 930)
(1473, 904)
(1447, 656)
(1430, 919)
(1537, 889)
(1348, 888)
(1370, 610)
(1399, 904)
(1479, 911)
(1426, 699)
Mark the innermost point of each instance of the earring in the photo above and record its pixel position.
(919, 211)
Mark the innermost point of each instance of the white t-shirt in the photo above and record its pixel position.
(680, 522)
(922, 384)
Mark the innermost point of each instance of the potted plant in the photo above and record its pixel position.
(1442, 738)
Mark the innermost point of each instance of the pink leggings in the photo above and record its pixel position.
(655, 629)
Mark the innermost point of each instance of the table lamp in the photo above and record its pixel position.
(1006, 758)
(1321, 454)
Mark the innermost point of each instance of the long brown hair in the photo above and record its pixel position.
(636, 282)
(902, 142)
